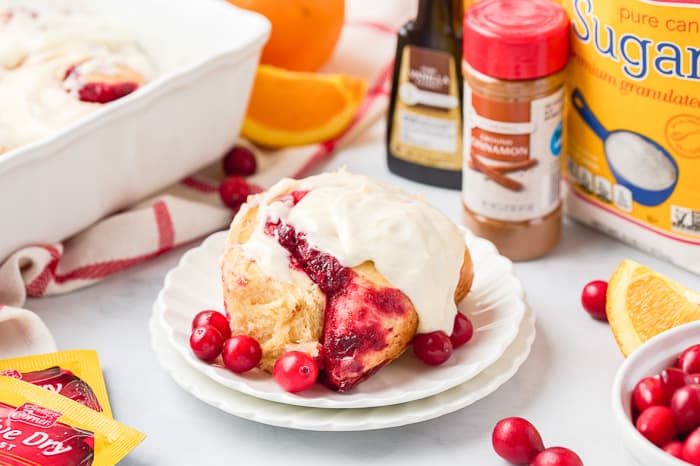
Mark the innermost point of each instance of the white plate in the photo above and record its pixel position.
(495, 305)
(295, 417)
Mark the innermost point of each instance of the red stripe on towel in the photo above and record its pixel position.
(198, 185)
(166, 229)
(39, 284)
(166, 241)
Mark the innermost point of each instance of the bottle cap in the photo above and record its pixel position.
(516, 39)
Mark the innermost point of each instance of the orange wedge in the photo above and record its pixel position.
(290, 108)
(642, 303)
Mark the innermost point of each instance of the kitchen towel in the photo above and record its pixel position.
(191, 208)
(23, 333)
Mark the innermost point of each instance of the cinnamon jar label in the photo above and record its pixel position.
(427, 121)
(512, 148)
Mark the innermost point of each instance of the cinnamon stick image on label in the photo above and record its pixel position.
(512, 167)
(495, 175)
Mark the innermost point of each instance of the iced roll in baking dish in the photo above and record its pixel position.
(342, 268)
(56, 67)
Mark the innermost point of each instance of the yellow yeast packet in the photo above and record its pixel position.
(38, 427)
(74, 374)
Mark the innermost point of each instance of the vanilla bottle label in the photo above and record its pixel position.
(427, 121)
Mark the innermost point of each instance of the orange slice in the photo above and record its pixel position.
(642, 303)
(291, 108)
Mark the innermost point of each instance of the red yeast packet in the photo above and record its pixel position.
(41, 428)
(74, 374)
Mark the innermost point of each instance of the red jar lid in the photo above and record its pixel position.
(516, 39)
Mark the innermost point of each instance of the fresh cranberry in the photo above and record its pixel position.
(432, 348)
(240, 161)
(516, 440)
(695, 377)
(241, 353)
(593, 299)
(206, 342)
(101, 93)
(235, 190)
(689, 360)
(656, 424)
(462, 331)
(685, 406)
(557, 456)
(674, 448)
(691, 448)
(648, 392)
(295, 371)
(671, 380)
(215, 319)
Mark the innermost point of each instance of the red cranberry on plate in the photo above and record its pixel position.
(214, 318)
(432, 348)
(295, 371)
(241, 353)
(462, 331)
(206, 342)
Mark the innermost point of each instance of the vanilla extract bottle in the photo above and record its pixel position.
(424, 126)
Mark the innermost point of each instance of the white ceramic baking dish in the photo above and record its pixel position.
(205, 52)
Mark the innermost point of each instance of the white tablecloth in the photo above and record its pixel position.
(563, 388)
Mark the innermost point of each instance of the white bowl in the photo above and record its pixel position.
(649, 359)
(205, 53)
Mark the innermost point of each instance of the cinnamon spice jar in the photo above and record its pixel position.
(515, 54)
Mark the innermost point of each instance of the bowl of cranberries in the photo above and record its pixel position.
(656, 399)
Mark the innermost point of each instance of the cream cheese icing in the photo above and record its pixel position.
(35, 52)
(355, 219)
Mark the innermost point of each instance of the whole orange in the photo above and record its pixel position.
(304, 32)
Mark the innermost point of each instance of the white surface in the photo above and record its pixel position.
(205, 54)
(648, 360)
(495, 306)
(354, 419)
(564, 386)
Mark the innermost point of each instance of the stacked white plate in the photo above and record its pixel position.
(404, 392)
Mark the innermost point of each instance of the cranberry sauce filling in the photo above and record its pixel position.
(355, 310)
(357, 324)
